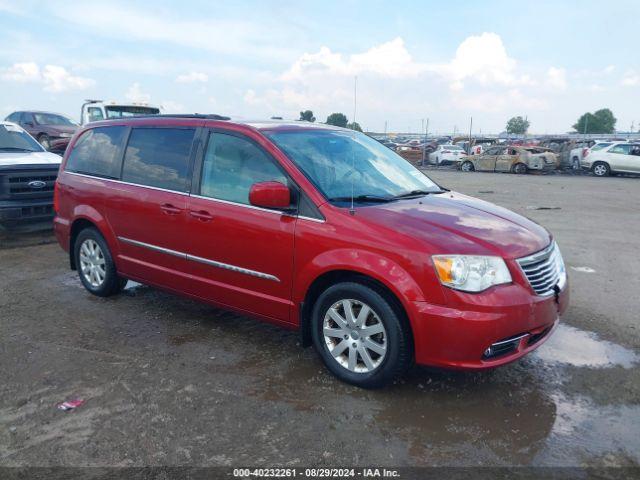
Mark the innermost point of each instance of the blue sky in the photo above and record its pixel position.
(446, 61)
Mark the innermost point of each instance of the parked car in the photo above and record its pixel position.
(446, 154)
(606, 158)
(27, 176)
(510, 159)
(310, 227)
(46, 127)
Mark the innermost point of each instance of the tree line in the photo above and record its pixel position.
(336, 119)
(600, 121)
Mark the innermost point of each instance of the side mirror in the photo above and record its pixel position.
(270, 195)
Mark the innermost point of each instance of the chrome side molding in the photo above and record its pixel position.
(206, 261)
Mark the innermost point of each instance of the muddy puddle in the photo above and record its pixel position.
(572, 346)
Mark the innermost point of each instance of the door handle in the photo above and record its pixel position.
(201, 215)
(170, 209)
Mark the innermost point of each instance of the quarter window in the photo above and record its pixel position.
(159, 157)
(98, 152)
(232, 165)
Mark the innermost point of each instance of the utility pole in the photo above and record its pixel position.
(470, 128)
(385, 128)
(424, 144)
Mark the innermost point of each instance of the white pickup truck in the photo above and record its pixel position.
(96, 110)
(27, 176)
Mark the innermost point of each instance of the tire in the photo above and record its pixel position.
(368, 362)
(90, 252)
(467, 166)
(575, 163)
(601, 169)
(44, 141)
(519, 168)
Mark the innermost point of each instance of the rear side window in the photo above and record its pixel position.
(624, 149)
(98, 152)
(159, 157)
(232, 165)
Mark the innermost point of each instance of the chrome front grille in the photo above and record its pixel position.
(545, 270)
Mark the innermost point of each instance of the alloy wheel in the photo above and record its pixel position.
(600, 170)
(92, 263)
(355, 336)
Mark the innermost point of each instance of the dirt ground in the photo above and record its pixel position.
(167, 381)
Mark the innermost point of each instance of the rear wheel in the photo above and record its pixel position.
(95, 264)
(360, 335)
(519, 168)
(601, 169)
(467, 166)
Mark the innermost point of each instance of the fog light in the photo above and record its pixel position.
(488, 352)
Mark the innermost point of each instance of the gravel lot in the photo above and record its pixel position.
(167, 381)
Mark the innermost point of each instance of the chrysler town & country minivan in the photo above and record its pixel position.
(310, 227)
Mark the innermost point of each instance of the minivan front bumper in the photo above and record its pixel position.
(509, 319)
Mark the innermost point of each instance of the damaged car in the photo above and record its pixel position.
(513, 159)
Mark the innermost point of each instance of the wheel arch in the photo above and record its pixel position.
(88, 217)
(331, 277)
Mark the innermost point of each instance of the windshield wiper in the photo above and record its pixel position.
(362, 198)
(414, 193)
(15, 149)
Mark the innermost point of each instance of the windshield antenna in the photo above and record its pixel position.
(352, 210)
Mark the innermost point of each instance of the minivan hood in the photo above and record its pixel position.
(9, 159)
(454, 223)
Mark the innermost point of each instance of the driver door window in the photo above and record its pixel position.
(232, 165)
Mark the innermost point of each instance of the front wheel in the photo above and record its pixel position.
(360, 336)
(44, 141)
(576, 163)
(601, 169)
(467, 166)
(95, 264)
(519, 168)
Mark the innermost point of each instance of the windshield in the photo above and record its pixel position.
(118, 111)
(344, 164)
(14, 139)
(52, 119)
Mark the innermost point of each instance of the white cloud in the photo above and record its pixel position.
(22, 72)
(390, 59)
(481, 59)
(192, 77)
(58, 79)
(557, 78)
(630, 79)
(54, 78)
(170, 106)
(135, 94)
(608, 69)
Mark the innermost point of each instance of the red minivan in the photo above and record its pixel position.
(310, 227)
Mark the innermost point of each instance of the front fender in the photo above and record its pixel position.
(376, 266)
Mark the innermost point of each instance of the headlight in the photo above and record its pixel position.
(471, 273)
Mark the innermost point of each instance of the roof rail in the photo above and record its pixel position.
(211, 116)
